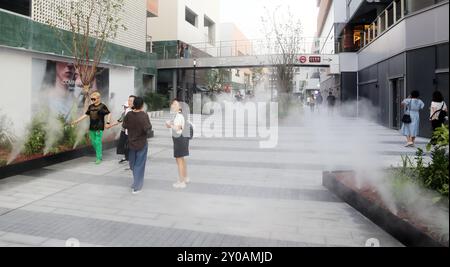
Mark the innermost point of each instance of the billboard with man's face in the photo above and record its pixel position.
(57, 87)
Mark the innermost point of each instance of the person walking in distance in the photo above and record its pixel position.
(311, 102)
(319, 101)
(138, 125)
(96, 113)
(331, 101)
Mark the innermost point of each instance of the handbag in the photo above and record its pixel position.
(406, 119)
(191, 130)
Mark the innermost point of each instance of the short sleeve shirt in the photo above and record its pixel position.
(97, 116)
(179, 121)
(413, 105)
(437, 106)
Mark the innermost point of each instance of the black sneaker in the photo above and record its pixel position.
(135, 192)
(122, 161)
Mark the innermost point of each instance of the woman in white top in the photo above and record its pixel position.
(180, 142)
(438, 106)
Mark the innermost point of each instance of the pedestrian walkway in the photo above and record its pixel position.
(240, 195)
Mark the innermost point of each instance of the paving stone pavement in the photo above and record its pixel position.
(240, 195)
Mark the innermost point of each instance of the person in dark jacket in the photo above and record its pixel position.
(138, 125)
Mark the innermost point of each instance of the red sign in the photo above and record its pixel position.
(302, 59)
(228, 88)
(315, 59)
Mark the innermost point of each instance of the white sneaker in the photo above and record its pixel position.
(179, 185)
(187, 180)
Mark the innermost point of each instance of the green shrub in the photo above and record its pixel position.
(35, 143)
(435, 174)
(400, 182)
(69, 136)
(439, 139)
(6, 135)
(156, 101)
(3, 162)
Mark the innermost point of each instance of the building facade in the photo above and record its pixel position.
(183, 29)
(234, 43)
(395, 47)
(36, 66)
(331, 20)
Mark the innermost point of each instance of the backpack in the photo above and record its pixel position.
(190, 127)
(191, 130)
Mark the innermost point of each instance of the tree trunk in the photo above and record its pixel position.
(87, 96)
(283, 104)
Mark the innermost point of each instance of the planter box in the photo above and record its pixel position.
(21, 167)
(402, 230)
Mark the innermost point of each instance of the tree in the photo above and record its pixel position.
(215, 79)
(285, 42)
(91, 24)
(257, 75)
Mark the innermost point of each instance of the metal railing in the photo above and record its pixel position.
(395, 12)
(234, 48)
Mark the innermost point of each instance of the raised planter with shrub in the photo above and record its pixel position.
(44, 145)
(410, 202)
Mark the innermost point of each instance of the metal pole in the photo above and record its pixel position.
(395, 12)
(195, 79)
(402, 7)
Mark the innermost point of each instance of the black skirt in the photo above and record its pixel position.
(122, 146)
(180, 147)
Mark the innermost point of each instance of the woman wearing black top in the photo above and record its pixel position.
(96, 113)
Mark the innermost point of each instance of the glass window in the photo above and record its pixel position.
(416, 5)
(191, 17)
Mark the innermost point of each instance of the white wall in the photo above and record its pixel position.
(164, 26)
(190, 34)
(327, 37)
(15, 87)
(17, 84)
(340, 11)
(348, 62)
(134, 19)
(428, 27)
(121, 83)
(170, 24)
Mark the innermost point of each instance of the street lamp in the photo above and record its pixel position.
(195, 77)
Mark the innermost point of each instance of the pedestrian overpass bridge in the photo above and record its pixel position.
(251, 61)
(243, 54)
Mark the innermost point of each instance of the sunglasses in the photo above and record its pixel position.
(93, 99)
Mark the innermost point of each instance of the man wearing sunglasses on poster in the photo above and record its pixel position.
(96, 112)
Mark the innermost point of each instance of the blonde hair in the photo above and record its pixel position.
(96, 94)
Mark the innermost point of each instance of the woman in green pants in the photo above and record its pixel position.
(96, 113)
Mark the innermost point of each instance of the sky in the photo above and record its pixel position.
(246, 14)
